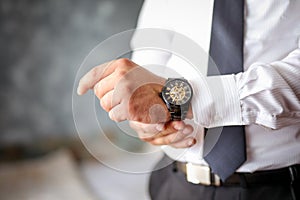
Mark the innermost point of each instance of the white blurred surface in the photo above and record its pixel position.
(53, 177)
(57, 176)
(111, 184)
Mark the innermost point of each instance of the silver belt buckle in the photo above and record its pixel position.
(200, 174)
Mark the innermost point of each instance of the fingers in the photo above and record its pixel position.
(168, 139)
(114, 81)
(176, 133)
(147, 128)
(171, 127)
(149, 132)
(93, 76)
(178, 140)
(105, 85)
(185, 143)
(172, 137)
(109, 100)
(118, 113)
(89, 80)
(146, 132)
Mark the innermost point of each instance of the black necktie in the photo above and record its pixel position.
(226, 50)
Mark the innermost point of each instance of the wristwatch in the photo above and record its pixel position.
(177, 94)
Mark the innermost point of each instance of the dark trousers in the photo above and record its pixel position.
(168, 183)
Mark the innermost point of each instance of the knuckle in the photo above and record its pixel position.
(111, 115)
(123, 66)
(127, 88)
(121, 71)
(115, 117)
(123, 61)
(104, 105)
(98, 92)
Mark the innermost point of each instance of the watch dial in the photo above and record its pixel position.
(177, 92)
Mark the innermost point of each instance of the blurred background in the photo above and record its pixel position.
(42, 46)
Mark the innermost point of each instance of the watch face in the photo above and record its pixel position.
(177, 92)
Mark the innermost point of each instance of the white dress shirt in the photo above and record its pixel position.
(265, 97)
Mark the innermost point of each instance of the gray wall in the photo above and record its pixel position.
(42, 44)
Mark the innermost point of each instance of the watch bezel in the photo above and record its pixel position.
(164, 91)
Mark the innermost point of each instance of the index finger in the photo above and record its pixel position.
(99, 72)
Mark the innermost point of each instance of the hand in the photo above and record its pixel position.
(176, 133)
(127, 91)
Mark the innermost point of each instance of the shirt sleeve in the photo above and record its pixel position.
(266, 94)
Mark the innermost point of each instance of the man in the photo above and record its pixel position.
(263, 96)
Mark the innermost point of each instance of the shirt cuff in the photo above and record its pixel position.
(216, 101)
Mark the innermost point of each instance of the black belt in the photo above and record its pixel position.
(281, 176)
